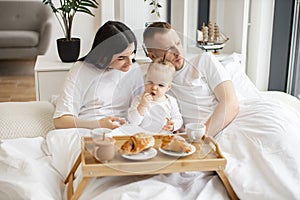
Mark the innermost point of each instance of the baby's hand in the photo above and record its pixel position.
(169, 126)
(146, 99)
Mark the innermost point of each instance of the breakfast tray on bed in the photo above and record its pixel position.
(159, 164)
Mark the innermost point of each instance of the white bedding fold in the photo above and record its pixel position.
(26, 172)
(262, 147)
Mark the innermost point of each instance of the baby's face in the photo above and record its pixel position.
(158, 82)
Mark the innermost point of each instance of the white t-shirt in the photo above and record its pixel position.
(157, 112)
(194, 84)
(92, 93)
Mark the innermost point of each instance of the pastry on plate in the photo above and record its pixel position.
(175, 143)
(137, 143)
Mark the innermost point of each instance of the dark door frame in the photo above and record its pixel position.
(281, 41)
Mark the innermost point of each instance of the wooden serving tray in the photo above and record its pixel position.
(161, 163)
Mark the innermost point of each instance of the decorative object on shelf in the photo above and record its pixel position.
(211, 38)
(65, 13)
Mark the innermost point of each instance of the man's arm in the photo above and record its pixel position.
(225, 111)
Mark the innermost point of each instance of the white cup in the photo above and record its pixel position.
(195, 131)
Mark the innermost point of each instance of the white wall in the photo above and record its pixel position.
(232, 18)
(248, 24)
(134, 13)
(260, 42)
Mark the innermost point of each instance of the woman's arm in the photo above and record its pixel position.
(225, 111)
(69, 121)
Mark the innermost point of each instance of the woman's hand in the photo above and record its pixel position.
(111, 122)
(69, 121)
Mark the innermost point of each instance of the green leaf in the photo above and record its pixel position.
(85, 10)
(88, 4)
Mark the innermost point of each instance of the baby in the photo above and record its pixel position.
(155, 110)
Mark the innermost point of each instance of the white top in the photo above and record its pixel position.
(92, 93)
(194, 84)
(157, 112)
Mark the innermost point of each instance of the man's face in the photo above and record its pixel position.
(168, 45)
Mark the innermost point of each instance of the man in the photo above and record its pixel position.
(261, 143)
(202, 86)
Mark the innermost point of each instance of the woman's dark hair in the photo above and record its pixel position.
(112, 37)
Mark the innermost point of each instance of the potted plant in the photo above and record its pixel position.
(156, 5)
(69, 47)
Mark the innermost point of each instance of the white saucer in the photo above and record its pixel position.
(144, 155)
(175, 154)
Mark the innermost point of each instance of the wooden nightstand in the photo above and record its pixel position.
(49, 75)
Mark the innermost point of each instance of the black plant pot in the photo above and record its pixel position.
(68, 50)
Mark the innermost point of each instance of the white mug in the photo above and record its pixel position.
(195, 131)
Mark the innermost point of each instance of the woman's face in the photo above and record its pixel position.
(122, 61)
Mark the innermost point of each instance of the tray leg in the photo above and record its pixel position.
(227, 185)
(70, 186)
(74, 168)
(80, 188)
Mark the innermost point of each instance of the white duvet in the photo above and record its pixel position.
(261, 147)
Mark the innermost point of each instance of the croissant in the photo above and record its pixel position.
(175, 143)
(137, 143)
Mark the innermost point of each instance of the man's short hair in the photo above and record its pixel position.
(155, 27)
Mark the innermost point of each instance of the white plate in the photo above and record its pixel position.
(175, 154)
(144, 155)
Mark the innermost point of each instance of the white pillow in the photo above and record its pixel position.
(64, 156)
(25, 119)
(244, 87)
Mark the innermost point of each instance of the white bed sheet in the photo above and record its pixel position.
(263, 151)
(260, 165)
(26, 171)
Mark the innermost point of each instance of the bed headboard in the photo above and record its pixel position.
(25, 119)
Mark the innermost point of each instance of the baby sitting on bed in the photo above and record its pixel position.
(155, 110)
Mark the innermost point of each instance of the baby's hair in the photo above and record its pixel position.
(168, 66)
(162, 61)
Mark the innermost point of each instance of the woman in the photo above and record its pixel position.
(100, 86)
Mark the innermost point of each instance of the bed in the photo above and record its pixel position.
(35, 158)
